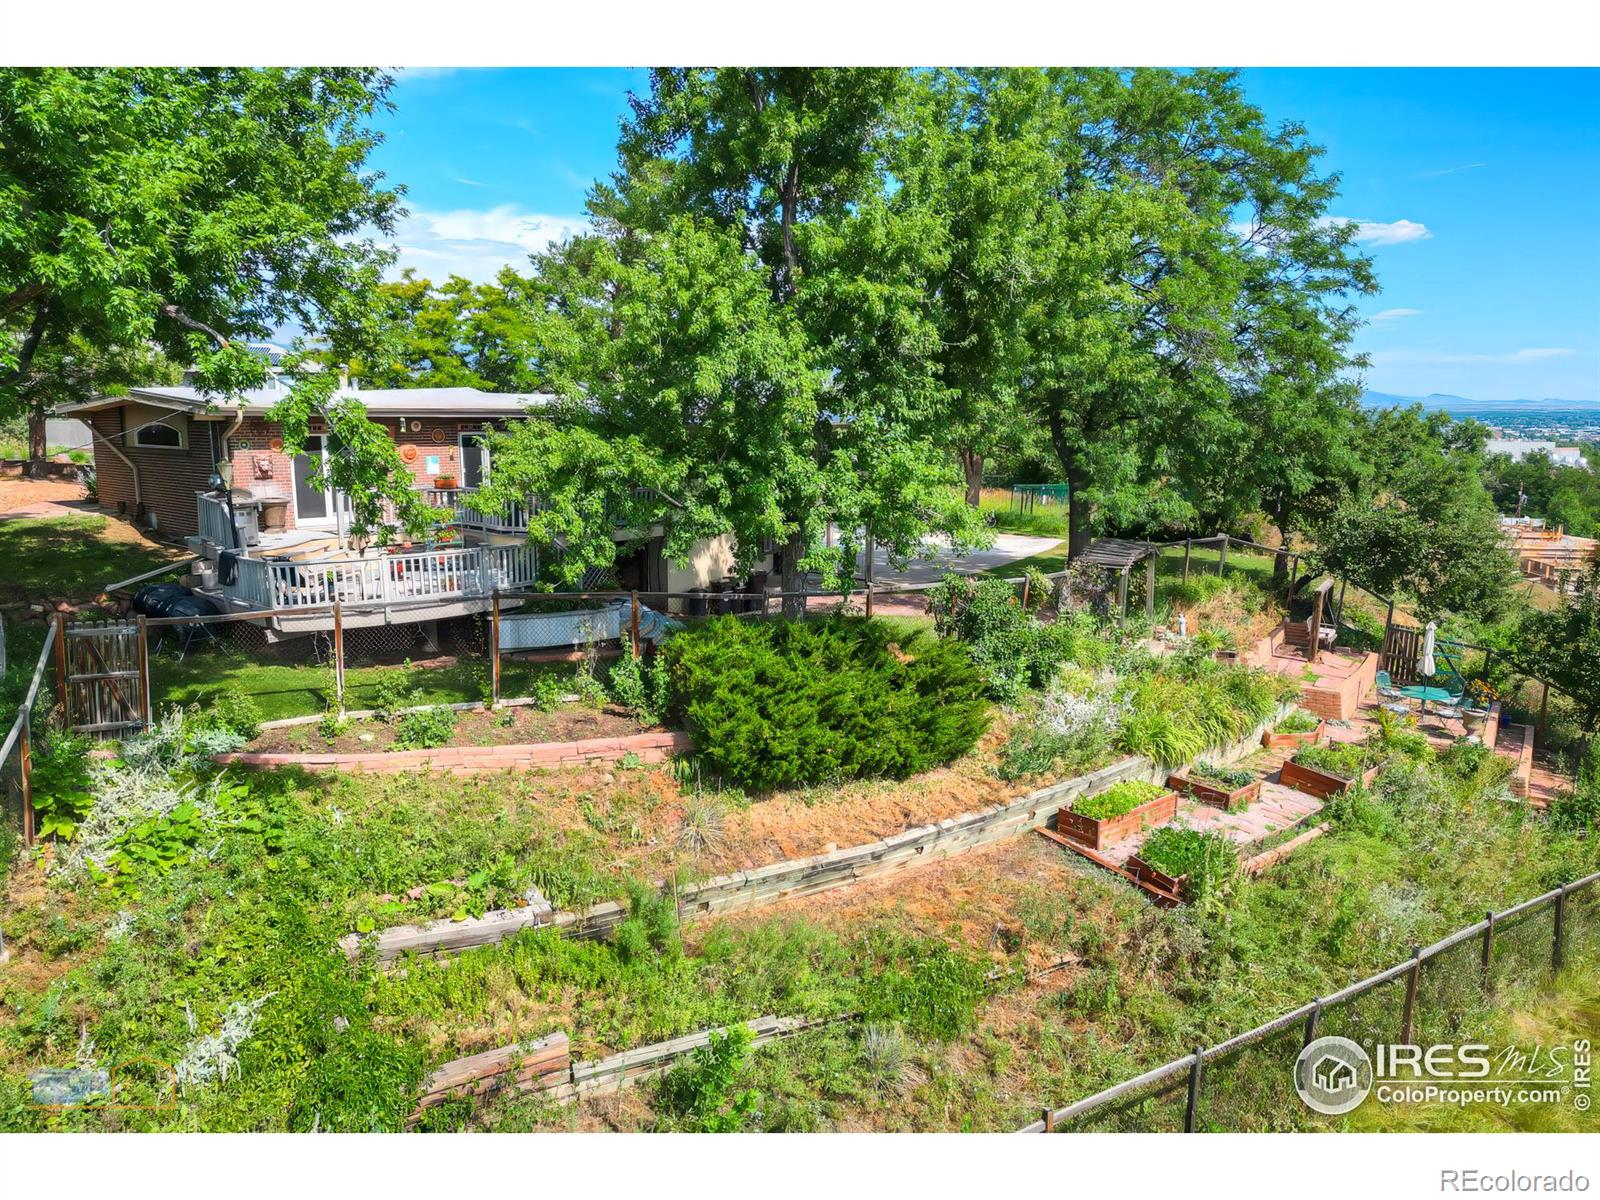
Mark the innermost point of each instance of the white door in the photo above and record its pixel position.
(316, 507)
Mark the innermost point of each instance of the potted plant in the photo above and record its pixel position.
(1299, 728)
(445, 483)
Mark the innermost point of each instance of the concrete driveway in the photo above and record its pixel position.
(938, 559)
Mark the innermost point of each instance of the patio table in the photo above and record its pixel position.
(1419, 692)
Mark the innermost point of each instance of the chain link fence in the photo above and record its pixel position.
(1445, 993)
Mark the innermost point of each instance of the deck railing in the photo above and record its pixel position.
(212, 512)
(392, 578)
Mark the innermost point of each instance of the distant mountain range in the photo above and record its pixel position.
(1461, 405)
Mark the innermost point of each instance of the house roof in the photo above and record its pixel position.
(380, 402)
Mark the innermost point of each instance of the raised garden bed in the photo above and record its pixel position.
(1117, 813)
(512, 726)
(1293, 739)
(1219, 787)
(1329, 778)
(1189, 863)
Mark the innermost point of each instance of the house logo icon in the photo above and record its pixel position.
(1333, 1075)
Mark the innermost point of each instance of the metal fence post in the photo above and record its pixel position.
(494, 649)
(1408, 1020)
(338, 656)
(1194, 1090)
(1556, 949)
(1488, 951)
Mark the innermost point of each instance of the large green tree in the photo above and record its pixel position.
(757, 311)
(1176, 237)
(1423, 526)
(1563, 646)
(192, 209)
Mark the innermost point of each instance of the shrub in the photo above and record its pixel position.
(781, 703)
(936, 995)
(547, 691)
(232, 710)
(1016, 650)
(393, 692)
(636, 684)
(1577, 810)
(61, 792)
(426, 729)
(700, 1092)
(1121, 797)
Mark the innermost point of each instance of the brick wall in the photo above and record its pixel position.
(168, 479)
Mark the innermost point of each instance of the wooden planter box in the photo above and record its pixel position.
(1228, 658)
(1098, 834)
(1321, 783)
(1145, 873)
(1274, 740)
(1206, 793)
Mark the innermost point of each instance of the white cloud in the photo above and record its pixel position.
(476, 243)
(1394, 314)
(1450, 170)
(461, 179)
(1433, 358)
(1383, 233)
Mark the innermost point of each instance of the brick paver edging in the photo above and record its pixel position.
(647, 747)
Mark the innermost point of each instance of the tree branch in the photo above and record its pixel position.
(30, 344)
(182, 318)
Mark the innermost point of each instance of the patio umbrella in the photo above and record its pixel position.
(1427, 666)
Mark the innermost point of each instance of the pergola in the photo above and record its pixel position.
(1121, 555)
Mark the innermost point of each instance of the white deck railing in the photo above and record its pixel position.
(415, 576)
(513, 518)
(212, 512)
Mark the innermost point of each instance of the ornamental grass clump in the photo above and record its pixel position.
(1117, 800)
(1174, 715)
(780, 703)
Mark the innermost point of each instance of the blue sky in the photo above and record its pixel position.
(1476, 189)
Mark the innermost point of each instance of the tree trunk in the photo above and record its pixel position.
(972, 467)
(790, 578)
(38, 447)
(1079, 511)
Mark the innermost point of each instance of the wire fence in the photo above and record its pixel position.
(16, 753)
(1444, 993)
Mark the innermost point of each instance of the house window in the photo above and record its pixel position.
(160, 436)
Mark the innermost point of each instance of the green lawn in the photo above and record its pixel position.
(74, 556)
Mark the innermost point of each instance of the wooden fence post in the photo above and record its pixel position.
(1194, 1091)
(1488, 951)
(1408, 1020)
(1338, 612)
(1556, 949)
(144, 671)
(1150, 586)
(1024, 593)
(338, 656)
(63, 691)
(1122, 598)
(1312, 1018)
(1049, 1120)
(633, 623)
(25, 767)
(1222, 563)
(872, 569)
(1188, 545)
(1544, 707)
(494, 649)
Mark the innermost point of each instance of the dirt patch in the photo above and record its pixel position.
(474, 727)
(17, 493)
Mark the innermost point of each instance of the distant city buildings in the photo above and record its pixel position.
(1520, 448)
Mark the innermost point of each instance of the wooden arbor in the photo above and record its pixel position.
(1121, 555)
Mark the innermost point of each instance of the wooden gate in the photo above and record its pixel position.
(1402, 648)
(102, 678)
